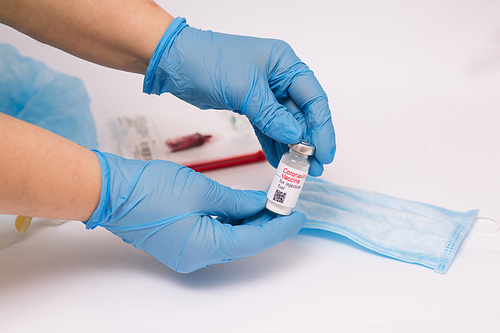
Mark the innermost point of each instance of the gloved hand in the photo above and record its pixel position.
(249, 76)
(167, 211)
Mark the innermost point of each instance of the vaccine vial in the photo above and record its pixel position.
(289, 178)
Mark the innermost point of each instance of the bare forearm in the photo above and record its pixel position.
(45, 175)
(118, 34)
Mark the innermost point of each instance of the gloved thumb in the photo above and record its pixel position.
(274, 120)
(264, 231)
(234, 204)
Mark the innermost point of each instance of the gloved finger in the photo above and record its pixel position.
(261, 232)
(272, 148)
(308, 94)
(316, 169)
(227, 220)
(295, 110)
(272, 118)
(226, 202)
(209, 242)
(274, 151)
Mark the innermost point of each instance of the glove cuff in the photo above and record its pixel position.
(151, 84)
(97, 216)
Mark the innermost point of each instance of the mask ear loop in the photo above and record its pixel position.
(486, 217)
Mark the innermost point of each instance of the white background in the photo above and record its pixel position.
(414, 89)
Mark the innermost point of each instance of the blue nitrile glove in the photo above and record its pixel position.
(168, 210)
(249, 76)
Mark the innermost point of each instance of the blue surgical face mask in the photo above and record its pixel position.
(402, 229)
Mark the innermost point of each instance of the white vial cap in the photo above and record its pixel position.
(303, 147)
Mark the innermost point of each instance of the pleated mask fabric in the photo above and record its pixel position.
(403, 229)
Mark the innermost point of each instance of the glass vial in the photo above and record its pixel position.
(289, 178)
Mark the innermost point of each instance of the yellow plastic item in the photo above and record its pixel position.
(22, 223)
(12, 228)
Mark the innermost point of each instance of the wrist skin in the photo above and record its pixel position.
(117, 34)
(45, 175)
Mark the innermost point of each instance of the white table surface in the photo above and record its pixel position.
(415, 95)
